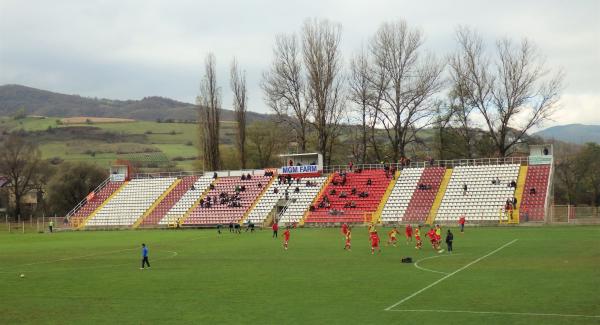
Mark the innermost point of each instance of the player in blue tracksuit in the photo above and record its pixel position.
(145, 256)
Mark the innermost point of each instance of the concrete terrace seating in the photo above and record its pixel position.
(337, 212)
(221, 213)
(422, 200)
(533, 205)
(188, 199)
(170, 200)
(127, 206)
(403, 190)
(95, 202)
(483, 200)
(268, 201)
(300, 202)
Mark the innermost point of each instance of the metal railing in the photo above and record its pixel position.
(84, 201)
(572, 213)
(166, 174)
(434, 163)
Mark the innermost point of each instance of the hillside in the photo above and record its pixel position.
(47, 103)
(574, 133)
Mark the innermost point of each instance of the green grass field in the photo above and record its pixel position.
(549, 274)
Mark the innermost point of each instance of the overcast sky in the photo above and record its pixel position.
(132, 49)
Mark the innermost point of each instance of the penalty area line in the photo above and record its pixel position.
(494, 313)
(449, 275)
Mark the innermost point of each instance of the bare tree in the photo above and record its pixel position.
(238, 86)
(209, 104)
(323, 67)
(284, 88)
(514, 93)
(408, 82)
(361, 94)
(20, 162)
(462, 111)
(264, 138)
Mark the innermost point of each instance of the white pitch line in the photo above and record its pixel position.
(493, 313)
(69, 258)
(173, 255)
(449, 275)
(430, 258)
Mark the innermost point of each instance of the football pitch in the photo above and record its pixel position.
(512, 275)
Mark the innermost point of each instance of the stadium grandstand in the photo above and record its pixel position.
(304, 192)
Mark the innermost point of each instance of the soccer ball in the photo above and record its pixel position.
(22, 275)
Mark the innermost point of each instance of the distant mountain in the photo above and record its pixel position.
(574, 133)
(47, 103)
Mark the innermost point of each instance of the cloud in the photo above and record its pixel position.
(132, 49)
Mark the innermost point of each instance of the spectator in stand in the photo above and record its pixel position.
(393, 171)
(275, 190)
(333, 192)
(249, 177)
(193, 187)
(514, 202)
(343, 195)
(279, 179)
(202, 203)
(513, 184)
(259, 185)
(464, 188)
(431, 161)
(532, 191)
(287, 195)
(344, 180)
(297, 190)
(298, 180)
(546, 152)
(243, 177)
(350, 166)
(289, 179)
(212, 186)
(386, 168)
(369, 182)
(353, 191)
(215, 175)
(290, 163)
